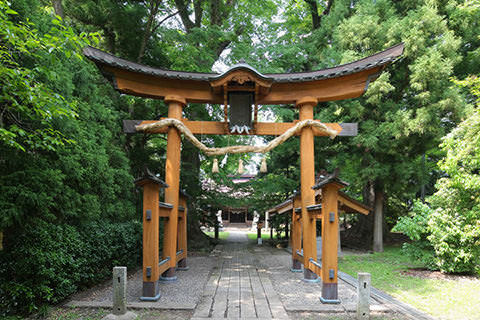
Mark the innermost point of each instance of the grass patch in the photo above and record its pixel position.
(221, 234)
(446, 299)
(265, 236)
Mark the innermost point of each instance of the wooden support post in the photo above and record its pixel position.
(286, 225)
(182, 235)
(307, 181)
(172, 178)
(151, 187)
(330, 243)
(296, 236)
(216, 227)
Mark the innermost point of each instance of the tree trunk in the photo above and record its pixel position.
(314, 13)
(190, 174)
(154, 5)
(58, 8)
(360, 235)
(378, 220)
(317, 18)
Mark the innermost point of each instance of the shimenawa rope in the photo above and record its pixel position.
(237, 149)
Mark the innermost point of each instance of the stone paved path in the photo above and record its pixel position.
(239, 288)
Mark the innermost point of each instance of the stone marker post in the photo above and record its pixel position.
(259, 233)
(363, 296)
(120, 296)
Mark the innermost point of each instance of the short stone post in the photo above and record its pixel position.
(259, 233)
(120, 296)
(363, 296)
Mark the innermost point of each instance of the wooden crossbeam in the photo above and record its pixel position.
(260, 128)
(349, 202)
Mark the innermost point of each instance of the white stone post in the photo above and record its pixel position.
(120, 296)
(363, 296)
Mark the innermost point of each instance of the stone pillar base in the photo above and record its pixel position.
(182, 265)
(150, 291)
(310, 276)
(296, 266)
(329, 293)
(169, 275)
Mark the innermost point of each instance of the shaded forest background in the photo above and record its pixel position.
(69, 209)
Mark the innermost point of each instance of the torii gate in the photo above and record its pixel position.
(238, 89)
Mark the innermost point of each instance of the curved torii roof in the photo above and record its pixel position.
(341, 82)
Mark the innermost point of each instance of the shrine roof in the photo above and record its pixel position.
(379, 59)
(324, 179)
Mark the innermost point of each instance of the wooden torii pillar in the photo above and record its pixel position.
(182, 232)
(172, 178)
(238, 89)
(296, 234)
(151, 218)
(328, 202)
(329, 210)
(307, 181)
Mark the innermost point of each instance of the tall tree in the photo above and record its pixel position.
(408, 108)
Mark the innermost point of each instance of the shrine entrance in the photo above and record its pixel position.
(238, 217)
(240, 89)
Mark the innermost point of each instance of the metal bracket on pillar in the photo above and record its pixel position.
(148, 272)
(332, 217)
(331, 273)
(149, 215)
(314, 207)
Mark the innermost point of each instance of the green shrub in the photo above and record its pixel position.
(446, 232)
(415, 227)
(48, 262)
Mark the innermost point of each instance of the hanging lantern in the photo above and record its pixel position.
(240, 166)
(263, 166)
(215, 166)
(240, 118)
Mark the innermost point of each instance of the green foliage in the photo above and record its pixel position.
(448, 227)
(415, 227)
(57, 108)
(29, 107)
(48, 262)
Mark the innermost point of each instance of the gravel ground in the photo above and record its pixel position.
(181, 294)
(298, 295)
(98, 314)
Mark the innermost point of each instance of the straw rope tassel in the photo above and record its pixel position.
(240, 166)
(263, 166)
(237, 149)
(215, 166)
